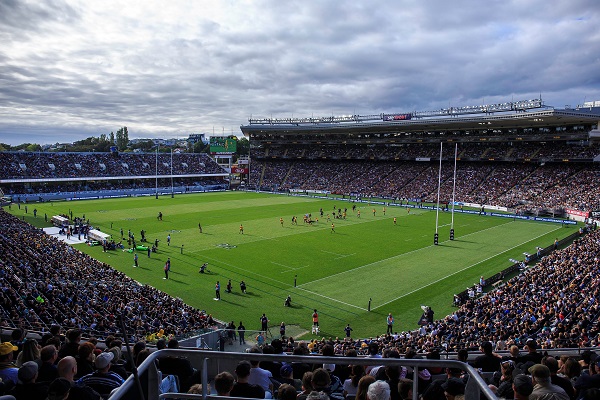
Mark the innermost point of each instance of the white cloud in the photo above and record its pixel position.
(72, 69)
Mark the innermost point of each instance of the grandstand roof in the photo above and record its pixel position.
(533, 119)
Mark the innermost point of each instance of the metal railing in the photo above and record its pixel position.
(213, 362)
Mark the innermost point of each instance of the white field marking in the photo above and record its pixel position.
(338, 255)
(347, 255)
(288, 267)
(464, 269)
(284, 266)
(441, 226)
(331, 299)
(294, 269)
(247, 271)
(331, 252)
(283, 283)
(396, 256)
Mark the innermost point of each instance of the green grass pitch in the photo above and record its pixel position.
(396, 266)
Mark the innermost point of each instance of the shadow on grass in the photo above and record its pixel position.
(178, 281)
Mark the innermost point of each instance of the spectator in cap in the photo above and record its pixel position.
(118, 364)
(543, 389)
(453, 387)
(59, 389)
(102, 380)
(488, 361)
(242, 388)
(286, 373)
(522, 387)
(27, 387)
(8, 370)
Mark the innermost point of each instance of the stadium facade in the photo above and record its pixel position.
(526, 135)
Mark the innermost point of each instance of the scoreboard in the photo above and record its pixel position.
(223, 145)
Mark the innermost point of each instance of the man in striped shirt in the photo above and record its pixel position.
(102, 380)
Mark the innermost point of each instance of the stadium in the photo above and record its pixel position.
(520, 175)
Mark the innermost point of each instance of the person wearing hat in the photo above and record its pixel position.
(102, 380)
(522, 387)
(488, 361)
(8, 370)
(453, 387)
(286, 373)
(27, 387)
(543, 388)
(242, 388)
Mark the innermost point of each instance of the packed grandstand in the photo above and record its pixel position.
(527, 161)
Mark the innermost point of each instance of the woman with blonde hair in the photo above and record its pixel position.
(30, 352)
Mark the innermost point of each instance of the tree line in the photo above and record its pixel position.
(120, 141)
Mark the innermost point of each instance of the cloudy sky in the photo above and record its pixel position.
(70, 69)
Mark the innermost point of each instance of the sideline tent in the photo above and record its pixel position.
(98, 236)
(59, 221)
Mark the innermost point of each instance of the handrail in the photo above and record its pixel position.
(222, 361)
